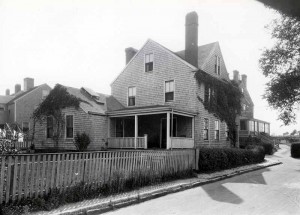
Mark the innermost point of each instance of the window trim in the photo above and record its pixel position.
(128, 96)
(47, 127)
(217, 130)
(66, 126)
(145, 62)
(205, 129)
(217, 65)
(165, 81)
(28, 126)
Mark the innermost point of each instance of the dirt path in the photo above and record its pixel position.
(273, 190)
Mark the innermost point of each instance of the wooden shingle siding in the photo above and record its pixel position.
(150, 86)
(93, 125)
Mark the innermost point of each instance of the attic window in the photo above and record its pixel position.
(217, 65)
(169, 91)
(149, 62)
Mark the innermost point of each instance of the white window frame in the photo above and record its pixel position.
(205, 129)
(128, 96)
(170, 91)
(28, 125)
(47, 127)
(150, 61)
(217, 128)
(66, 126)
(217, 65)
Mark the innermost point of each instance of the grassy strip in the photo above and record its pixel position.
(82, 191)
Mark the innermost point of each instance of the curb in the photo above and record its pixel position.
(139, 198)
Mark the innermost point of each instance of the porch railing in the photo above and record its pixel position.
(182, 143)
(127, 142)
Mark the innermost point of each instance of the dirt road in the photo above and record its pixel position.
(274, 190)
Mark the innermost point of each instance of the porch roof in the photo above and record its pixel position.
(147, 110)
(253, 119)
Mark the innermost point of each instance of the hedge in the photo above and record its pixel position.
(213, 159)
(295, 150)
(268, 147)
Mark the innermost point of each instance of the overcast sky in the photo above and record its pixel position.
(81, 43)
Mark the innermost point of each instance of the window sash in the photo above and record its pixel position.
(169, 96)
(69, 126)
(131, 101)
(131, 91)
(49, 127)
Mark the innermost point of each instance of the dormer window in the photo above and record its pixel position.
(149, 62)
(131, 96)
(169, 91)
(217, 65)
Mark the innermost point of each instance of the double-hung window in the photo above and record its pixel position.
(25, 127)
(217, 129)
(69, 126)
(49, 127)
(149, 62)
(131, 96)
(205, 129)
(169, 91)
(206, 93)
(217, 65)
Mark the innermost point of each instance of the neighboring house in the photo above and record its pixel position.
(90, 118)
(18, 107)
(248, 124)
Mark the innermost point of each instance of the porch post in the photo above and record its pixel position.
(108, 129)
(193, 129)
(168, 131)
(135, 130)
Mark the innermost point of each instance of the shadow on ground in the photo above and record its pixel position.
(220, 193)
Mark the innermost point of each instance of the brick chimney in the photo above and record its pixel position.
(130, 52)
(244, 80)
(7, 92)
(28, 83)
(191, 38)
(17, 88)
(236, 76)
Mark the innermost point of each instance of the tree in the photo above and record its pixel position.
(281, 64)
(58, 99)
(294, 132)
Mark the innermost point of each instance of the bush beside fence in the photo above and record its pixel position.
(212, 159)
(295, 150)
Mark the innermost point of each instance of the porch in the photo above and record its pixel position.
(253, 127)
(151, 128)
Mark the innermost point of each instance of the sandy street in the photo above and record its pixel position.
(273, 190)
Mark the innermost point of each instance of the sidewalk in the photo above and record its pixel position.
(97, 206)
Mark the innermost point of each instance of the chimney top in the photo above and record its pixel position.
(191, 38)
(244, 80)
(7, 92)
(236, 76)
(28, 83)
(17, 88)
(130, 52)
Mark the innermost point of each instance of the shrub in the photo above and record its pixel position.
(82, 141)
(213, 159)
(295, 150)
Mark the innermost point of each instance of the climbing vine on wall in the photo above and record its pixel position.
(224, 99)
(58, 99)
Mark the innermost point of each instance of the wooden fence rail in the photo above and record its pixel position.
(24, 176)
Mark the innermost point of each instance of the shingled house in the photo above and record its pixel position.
(248, 124)
(155, 100)
(19, 106)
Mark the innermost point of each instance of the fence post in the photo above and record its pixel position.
(146, 139)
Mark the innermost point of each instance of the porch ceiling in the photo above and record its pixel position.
(148, 110)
